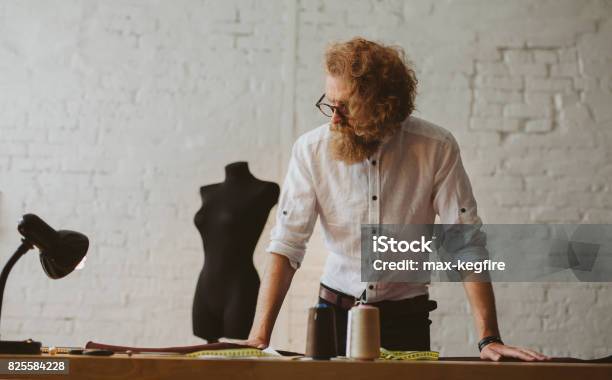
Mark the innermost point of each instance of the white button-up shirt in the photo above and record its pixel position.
(414, 176)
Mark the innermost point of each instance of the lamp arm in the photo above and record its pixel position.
(23, 248)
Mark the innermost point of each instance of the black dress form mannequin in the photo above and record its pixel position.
(231, 219)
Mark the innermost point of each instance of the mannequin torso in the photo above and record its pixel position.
(230, 221)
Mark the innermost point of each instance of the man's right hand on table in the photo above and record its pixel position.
(275, 284)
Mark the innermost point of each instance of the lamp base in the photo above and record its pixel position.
(25, 347)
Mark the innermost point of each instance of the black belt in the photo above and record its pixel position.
(418, 304)
(343, 301)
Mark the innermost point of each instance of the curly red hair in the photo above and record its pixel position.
(382, 84)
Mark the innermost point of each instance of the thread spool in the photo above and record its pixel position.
(321, 341)
(363, 333)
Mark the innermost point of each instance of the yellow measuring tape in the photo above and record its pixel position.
(254, 352)
(408, 355)
(231, 352)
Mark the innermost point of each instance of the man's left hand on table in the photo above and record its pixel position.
(497, 351)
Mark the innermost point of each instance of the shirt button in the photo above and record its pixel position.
(374, 197)
(374, 162)
(371, 287)
(284, 212)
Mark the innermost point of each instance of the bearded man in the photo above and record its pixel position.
(374, 163)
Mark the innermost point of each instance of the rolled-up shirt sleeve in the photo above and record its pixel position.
(455, 204)
(297, 211)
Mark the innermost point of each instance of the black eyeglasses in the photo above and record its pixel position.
(328, 110)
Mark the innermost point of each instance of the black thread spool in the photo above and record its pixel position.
(321, 341)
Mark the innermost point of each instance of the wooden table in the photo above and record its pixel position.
(182, 368)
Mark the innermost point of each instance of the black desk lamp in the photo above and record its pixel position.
(60, 253)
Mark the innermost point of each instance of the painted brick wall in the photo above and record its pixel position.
(113, 113)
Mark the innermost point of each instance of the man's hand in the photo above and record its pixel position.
(496, 351)
(274, 286)
(252, 342)
(257, 343)
(482, 300)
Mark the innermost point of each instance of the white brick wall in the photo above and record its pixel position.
(113, 113)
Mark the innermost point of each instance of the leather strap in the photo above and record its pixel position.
(341, 300)
(488, 340)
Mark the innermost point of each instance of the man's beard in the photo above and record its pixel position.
(351, 148)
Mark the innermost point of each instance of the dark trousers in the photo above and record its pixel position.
(404, 324)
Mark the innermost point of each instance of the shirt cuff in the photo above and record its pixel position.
(294, 255)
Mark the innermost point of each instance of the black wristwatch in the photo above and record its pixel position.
(487, 340)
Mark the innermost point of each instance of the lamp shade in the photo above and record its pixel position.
(70, 251)
(60, 251)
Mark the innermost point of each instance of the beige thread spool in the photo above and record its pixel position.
(363, 333)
